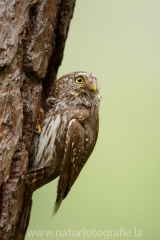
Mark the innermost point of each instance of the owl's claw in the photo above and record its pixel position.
(38, 128)
(40, 117)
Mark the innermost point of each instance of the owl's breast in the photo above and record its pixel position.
(91, 127)
(50, 144)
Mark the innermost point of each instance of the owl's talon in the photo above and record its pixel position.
(40, 117)
(38, 128)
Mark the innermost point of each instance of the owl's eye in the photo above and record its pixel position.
(79, 80)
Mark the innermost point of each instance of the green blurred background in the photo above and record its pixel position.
(119, 41)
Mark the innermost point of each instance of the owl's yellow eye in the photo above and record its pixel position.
(79, 80)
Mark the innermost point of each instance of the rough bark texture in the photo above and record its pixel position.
(32, 39)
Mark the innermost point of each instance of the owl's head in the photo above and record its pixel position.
(76, 85)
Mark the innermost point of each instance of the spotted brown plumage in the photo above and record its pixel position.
(69, 132)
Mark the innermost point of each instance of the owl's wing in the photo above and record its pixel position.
(74, 160)
(36, 178)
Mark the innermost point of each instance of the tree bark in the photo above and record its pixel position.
(32, 40)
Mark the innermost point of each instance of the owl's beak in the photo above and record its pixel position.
(93, 87)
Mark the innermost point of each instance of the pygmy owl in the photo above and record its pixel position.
(69, 131)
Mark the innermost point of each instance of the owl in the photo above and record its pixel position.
(69, 132)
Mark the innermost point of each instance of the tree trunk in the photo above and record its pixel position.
(32, 39)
